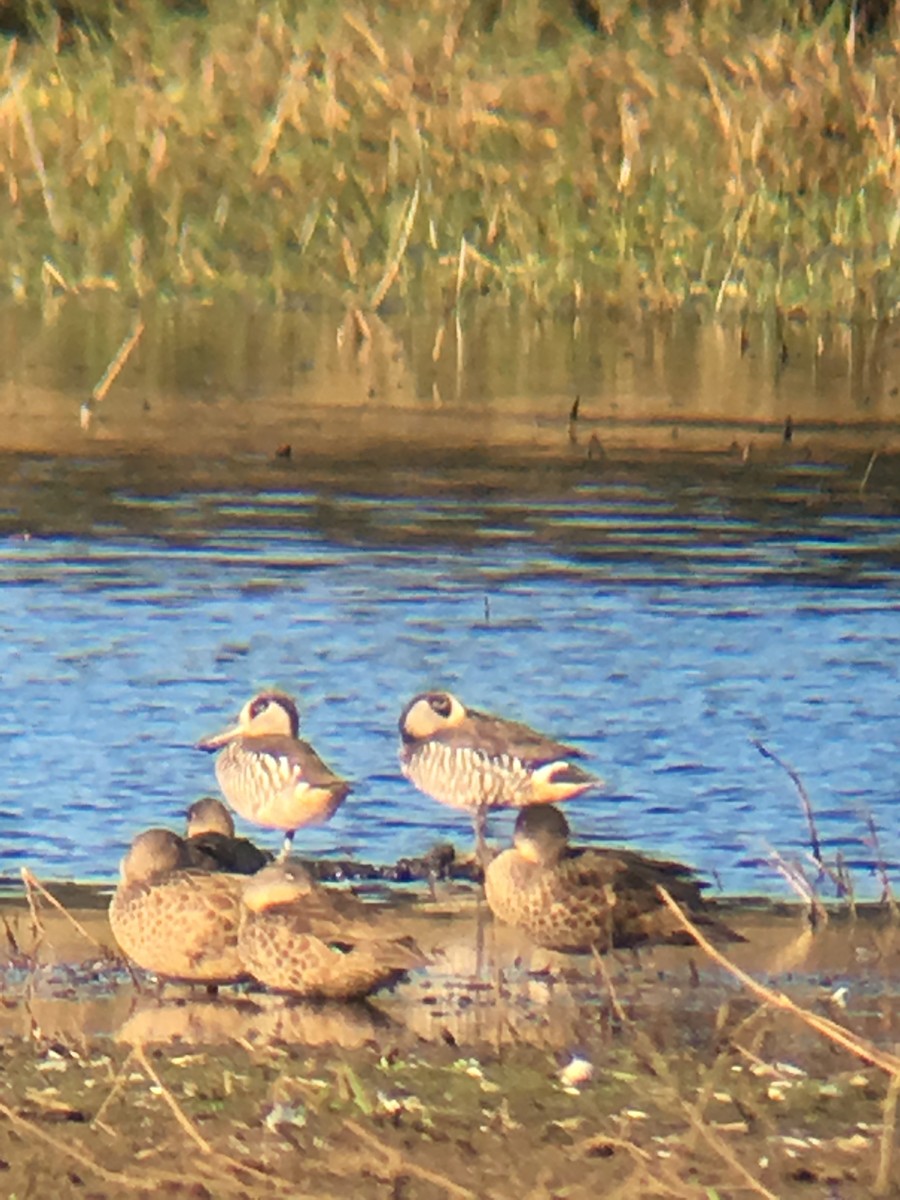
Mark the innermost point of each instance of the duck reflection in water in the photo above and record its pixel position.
(255, 1019)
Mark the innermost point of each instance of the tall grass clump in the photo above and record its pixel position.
(727, 156)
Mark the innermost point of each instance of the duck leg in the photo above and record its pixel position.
(483, 852)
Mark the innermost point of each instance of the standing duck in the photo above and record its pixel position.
(301, 938)
(475, 761)
(180, 923)
(574, 900)
(211, 842)
(268, 775)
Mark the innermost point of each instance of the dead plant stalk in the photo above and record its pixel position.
(841, 1036)
(814, 843)
(30, 882)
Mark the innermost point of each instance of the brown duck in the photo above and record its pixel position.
(180, 922)
(476, 761)
(304, 939)
(268, 774)
(211, 843)
(573, 899)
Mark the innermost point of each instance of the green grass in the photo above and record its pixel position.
(287, 151)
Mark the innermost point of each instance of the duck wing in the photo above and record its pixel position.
(497, 736)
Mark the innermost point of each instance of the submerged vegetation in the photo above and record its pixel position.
(734, 157)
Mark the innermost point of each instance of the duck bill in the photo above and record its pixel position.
(215, 740)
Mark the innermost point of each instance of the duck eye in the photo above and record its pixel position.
(259, 705)
(441, 704)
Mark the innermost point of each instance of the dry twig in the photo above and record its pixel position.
(815, 845)
(398, 1164)
(30, 882)
(887, 893)
(882, 1183)
(393, 267)
(660, 1068)
(873, 458)
(178, 1112)
(725, 1152)
(845, 881)
(223, 1164)
(861, 1047)
(119, 1080)
(37, 926)
(795, 877)
(604, 974)
(59, 1146)
(118, 361)
(37, 159)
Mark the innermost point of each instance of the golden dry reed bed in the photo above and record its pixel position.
(731, 155)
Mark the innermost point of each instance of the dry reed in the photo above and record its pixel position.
(679, 157)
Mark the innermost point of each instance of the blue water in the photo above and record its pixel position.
(660, 626)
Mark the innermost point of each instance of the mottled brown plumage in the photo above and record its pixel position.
(211, 843)
(299, 937)
(573, 899)
(268, 774)
(171, 919)
(476, 761)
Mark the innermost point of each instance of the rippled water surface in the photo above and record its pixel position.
(662, 619)
(354, 511)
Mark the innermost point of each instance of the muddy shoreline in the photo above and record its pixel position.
(451, 1084)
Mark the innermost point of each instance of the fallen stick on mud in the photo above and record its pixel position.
(642, 1179)
(117, 1086)
(138, 1182)
(178, 1112)
(861, 1047)
(147, 1178)
(658, 1065)
(725, 1152)
(224, 1163)
(400, 1165)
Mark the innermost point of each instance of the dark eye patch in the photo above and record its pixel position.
(440, 704)
(260, 704)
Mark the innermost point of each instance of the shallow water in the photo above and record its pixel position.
(489, 1055)
(484, 985)
(660, 612)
